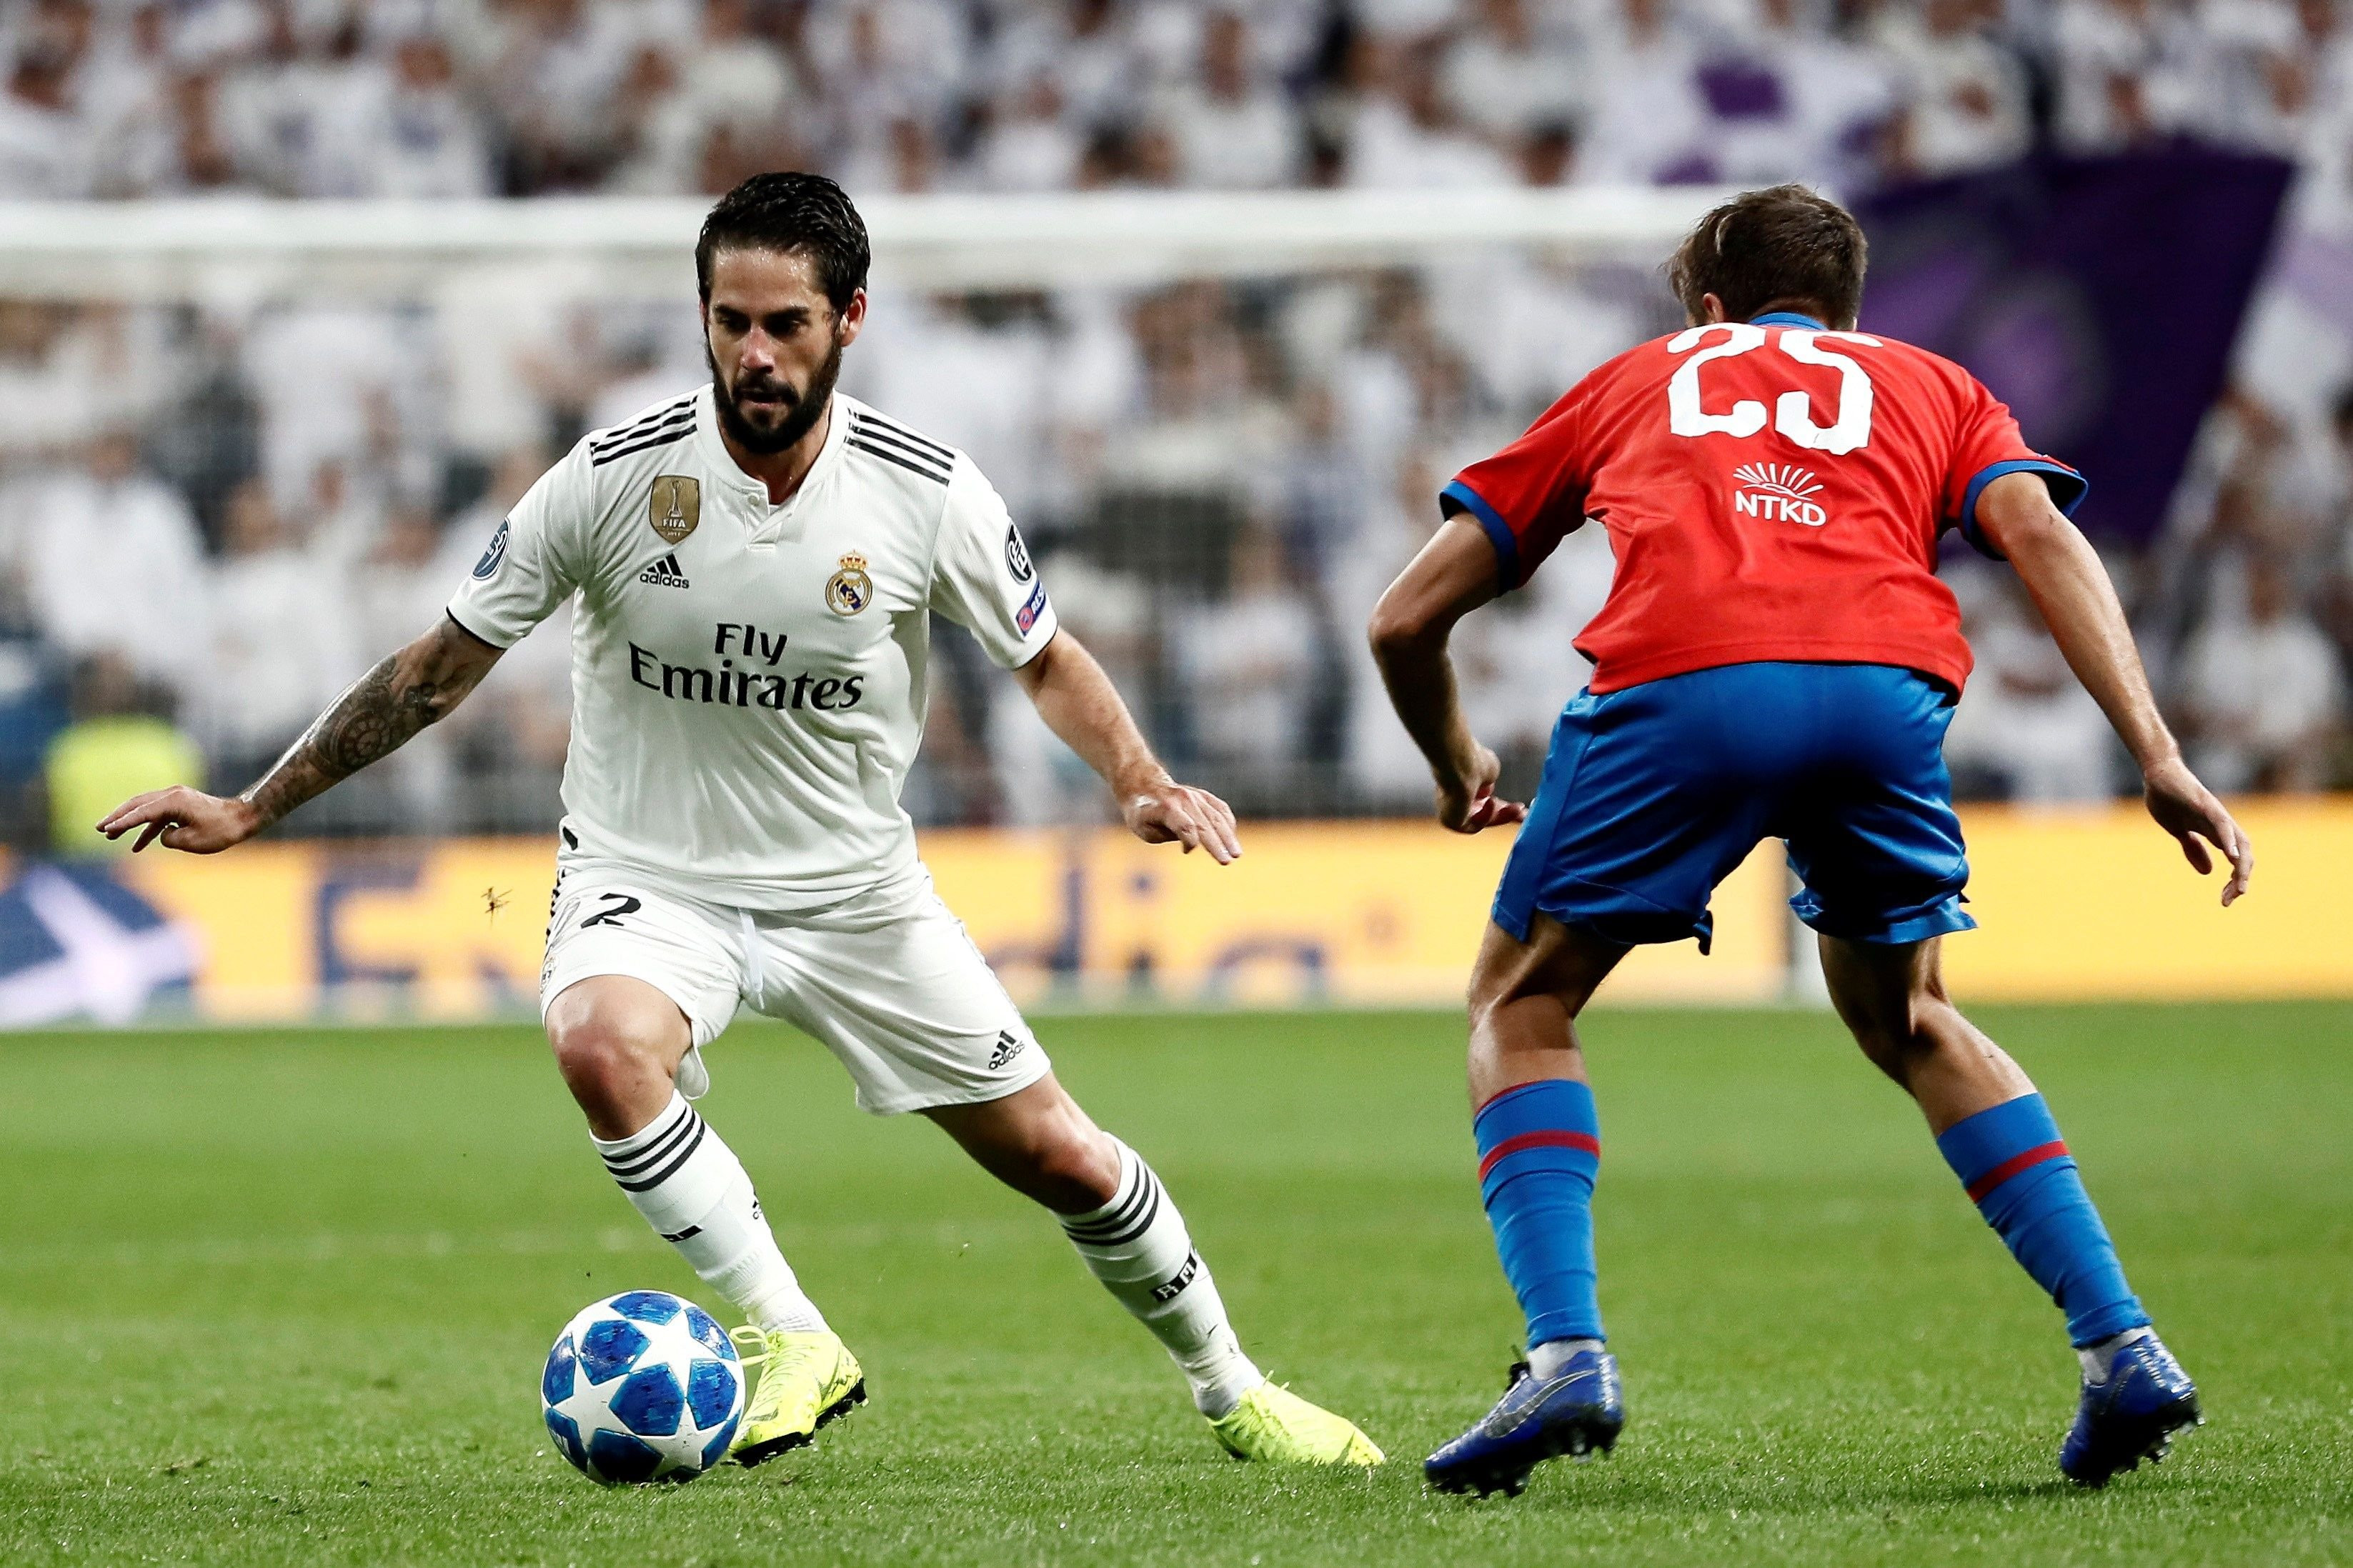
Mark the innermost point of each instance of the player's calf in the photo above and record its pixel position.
(1136, 1245)
(1116, 1214)
(688, 1185)
(1539, 1151)
(616, 1040)
(1129, 1234)
(2002, 1143)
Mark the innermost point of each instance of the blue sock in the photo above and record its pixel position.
(2019, 1174)
(1539, 1150)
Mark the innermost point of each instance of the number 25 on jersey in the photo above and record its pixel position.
(1792, 411)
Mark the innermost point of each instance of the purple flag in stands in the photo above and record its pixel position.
(2098, 296)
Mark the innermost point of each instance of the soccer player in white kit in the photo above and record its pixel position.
(755, 566)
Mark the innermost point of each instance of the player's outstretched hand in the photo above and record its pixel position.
(2188, 809)
(1179, 814)
(1473, 803)
(182, 819)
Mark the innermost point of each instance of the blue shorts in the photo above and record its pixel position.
(1654, 794)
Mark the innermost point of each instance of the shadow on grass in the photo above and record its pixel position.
(1664, 1496)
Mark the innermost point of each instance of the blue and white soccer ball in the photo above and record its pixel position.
(642, 1386)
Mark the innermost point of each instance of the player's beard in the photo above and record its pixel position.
(803, 409)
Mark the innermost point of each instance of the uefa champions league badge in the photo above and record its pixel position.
(495, 554)
(850, 590)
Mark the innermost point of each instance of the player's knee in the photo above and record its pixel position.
(601, 1052)
(1493, 987)
(1072, 1169)
(1483, 1006)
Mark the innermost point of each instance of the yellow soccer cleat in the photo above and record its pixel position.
(807, 1378)
(1273, 1423)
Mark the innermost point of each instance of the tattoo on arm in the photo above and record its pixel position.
(376, 716)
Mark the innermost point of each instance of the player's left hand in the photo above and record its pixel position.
(2188, 809)
(1179, 814)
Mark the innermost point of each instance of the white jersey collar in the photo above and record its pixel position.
(721, 462)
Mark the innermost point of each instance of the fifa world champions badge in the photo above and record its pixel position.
(675, 507)
(850, 590)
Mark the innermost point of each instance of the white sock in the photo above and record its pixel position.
(2096, 1358)
(1137, 1245)
(1545, 1361)
(694, 1193)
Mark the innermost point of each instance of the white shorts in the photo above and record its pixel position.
(888, 981)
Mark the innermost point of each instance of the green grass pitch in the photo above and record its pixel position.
(282, 1297)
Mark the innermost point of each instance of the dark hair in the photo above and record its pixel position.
(785, 212)
(1785, 246)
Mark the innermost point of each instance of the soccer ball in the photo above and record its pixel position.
(642, 1386)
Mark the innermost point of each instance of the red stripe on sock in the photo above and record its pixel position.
(1550, 1138)
(2054, 1149)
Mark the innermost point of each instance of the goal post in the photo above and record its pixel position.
(163, 249)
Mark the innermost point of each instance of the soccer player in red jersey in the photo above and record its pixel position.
(1777, 658)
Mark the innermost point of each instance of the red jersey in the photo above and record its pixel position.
(1772, 491)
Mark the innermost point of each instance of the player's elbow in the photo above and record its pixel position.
(2032, 535)
(1398, 628)
(2018, 516)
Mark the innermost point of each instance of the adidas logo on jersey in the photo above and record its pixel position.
(664, 574)
(1008, 1048)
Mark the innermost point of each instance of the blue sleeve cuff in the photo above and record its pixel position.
(1458, 496)
(2067, 487)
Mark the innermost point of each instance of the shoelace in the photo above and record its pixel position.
(1269, 1415)
(780, 1364)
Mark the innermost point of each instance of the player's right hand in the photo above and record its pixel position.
(184, 818)
(2188, 809)
(1469, 803)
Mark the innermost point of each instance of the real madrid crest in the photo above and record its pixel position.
(675, 507)
(850, 590)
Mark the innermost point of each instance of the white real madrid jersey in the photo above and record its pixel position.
(748, 681)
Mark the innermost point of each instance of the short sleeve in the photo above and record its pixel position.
(982, 576)
(524, 573)
(1529, 496)
(1988, 446)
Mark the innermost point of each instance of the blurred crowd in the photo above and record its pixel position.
(214, 514)
(464, 98)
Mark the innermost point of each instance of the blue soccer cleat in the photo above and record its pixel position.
(2131, 1416)
(1580, 1411)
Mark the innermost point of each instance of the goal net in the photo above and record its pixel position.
(240, 428)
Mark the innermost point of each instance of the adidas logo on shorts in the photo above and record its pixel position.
(1008, 1048)
(664, 574)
